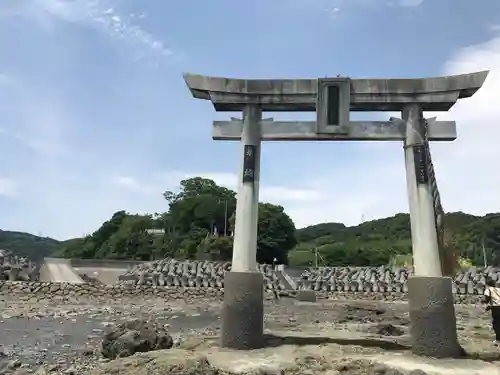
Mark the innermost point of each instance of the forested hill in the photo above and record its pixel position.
(199, 220)
(378, 241)
(29, 245)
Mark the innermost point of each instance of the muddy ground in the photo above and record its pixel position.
(330, 337)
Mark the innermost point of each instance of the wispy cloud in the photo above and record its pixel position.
(410, 3)
(101, 15)
(136, 185)
(8, 187)
(334, 8)
(276, 194)
(7, 80)
(42, 126)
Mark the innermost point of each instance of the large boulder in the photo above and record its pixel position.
(135, 336)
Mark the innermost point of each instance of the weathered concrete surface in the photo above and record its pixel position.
(242, 312)
(59, 270)
(434, 94)
(104, 263)
(105, 270)
(432, 314)
(306, 131)
(70, 270)
(105, 275)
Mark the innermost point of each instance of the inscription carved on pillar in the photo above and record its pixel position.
(421, 164)
(249, 164)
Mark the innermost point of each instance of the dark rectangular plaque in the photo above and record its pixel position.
(420, 159)
(333, 106)
(249, 163)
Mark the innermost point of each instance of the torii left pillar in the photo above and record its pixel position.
(243, 307)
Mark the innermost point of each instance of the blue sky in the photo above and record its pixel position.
(95, 116)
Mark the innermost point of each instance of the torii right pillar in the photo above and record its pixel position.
(432, 311)
(431, 303)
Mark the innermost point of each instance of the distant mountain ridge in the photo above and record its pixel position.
(378, 241)
(28, 245)
(370, 243)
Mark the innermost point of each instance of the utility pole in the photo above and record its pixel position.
(225, 215)
(484, 253)
(225, 218)
(317, 256)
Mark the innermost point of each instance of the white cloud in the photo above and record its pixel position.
(125, 181)
(467, 169)
(8, 187)
(133, 184)
(43, 126)
(274, 194)
(334, 7)
(7, 80)
(101, 15)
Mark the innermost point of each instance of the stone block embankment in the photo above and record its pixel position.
(470, 281)
(193, 274)
(330, 280)
(88, 293)
(16, 268)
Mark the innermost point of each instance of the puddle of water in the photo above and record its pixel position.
(29, 337)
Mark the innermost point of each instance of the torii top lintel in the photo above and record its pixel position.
(290, 95)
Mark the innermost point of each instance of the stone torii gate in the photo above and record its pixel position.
(432, 314)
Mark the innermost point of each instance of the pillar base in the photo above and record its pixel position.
(242, 318)
(432, 316)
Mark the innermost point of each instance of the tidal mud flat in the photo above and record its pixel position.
(337, 336)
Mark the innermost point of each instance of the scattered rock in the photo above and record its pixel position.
(417, 372)
(365, 367)
(174, 361)
(387, 329)
(135, 336)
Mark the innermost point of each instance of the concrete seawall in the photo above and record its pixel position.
(106, 276)
(103, 263)
(105, 270)
(59, 270)
(71, 270)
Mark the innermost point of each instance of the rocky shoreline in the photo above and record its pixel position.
(50, 338)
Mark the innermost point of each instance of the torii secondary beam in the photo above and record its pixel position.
(271, 130)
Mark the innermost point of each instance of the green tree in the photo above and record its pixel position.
(275, 234)
(201, 203)
(200, 219)
(215, 248)
(382, 241)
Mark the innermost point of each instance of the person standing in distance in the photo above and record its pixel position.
(492, 299)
